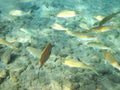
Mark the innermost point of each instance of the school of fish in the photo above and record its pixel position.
(93, 40)
(82, 35)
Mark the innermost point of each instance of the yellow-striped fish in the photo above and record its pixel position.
(57, 26)
(108, 56)
(99, 17)
(4, 42)
(101, 29)
(98, 45)
(82, 36)
(19, 13)
(66, 14)
(73, 63)
(34, 51)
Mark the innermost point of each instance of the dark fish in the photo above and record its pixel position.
(45, 54)
(107, 18)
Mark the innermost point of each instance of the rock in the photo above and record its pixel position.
(3, 73)
(6, 56)
(75, 86)
(13, 76)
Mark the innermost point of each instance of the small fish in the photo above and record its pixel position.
(101, 29)
(99, 17)
(98, 45)
(29, 32)
(66, 14)
(104, 29)
(86, 37)
(19, 13)
(108, 56)
(25, 1)
(82, 36)
(73, 63)
(57, 26)
(34, 51)
(107, 18)
(4, 42)
(84, 26)
(116, 27)
(45, 54)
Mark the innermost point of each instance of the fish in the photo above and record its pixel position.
(86, 37)
(4, 42)
(57, 26)
(84, 26)
(98, 45)
(73, 63)
(25, 1)
(107, 18)
(101, 29)
(109, 57)
(99, 17)
(66, 14)
(82, 36)
(45, 54)
(29, 32)
(33, 51)
(18, 13)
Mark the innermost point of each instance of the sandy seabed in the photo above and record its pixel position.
(19, 69)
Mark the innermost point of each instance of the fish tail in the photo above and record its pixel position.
(93, 69)
(69, 32)
(29, 12)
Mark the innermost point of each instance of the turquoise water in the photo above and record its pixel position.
(77, 43)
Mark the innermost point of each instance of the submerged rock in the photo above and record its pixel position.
(3, 73)
(6, 56)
